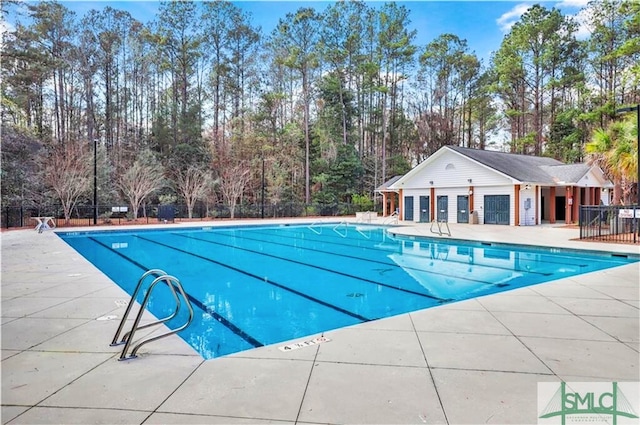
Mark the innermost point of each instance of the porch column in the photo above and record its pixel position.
(577, 200)
(598, 197)
(400, 205)
(472, 193)
(516, 190)
(538, 213)
(552, 204)
(592, 196)
(393, 202)
(433, 204)
(568, 203)
(384, 204)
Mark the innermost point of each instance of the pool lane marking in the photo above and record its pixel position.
(382, 262)
(540, 250)
(375, 282)
(261, 279)
(357, 258)
(335, 240)
(233, 328)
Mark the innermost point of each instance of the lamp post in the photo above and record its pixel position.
(637, 110)
(262, 197)
(95, 181)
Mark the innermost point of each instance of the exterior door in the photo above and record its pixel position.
(408, 208)
(443, 208)
(496, 209)
(463, 209)
(424, 209)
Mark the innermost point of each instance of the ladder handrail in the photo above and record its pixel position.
(342, 223)
(154, 272)
(392, 218)
(363, 234)
(174, 285)
(169, 281)
(134, 328)
(317, 232)
(439, 231)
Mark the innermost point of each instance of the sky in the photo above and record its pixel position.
(482, 23)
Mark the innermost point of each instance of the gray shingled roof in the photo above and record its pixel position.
(525, 168)
(385, 185)
(568, 173)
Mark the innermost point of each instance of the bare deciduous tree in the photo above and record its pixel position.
(193, 184)
(141, 179)
(66, 170)
(233, 181)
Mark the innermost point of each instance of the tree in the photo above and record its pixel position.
(66, 170)
(19, 166)
(144, 177)
(233, 180)
(297, 34)
(397, 55)
(615, 150)
(447, 74)
(530, 61)
(192, 183)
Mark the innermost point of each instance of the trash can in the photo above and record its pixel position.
(166, 213)
(473, 217)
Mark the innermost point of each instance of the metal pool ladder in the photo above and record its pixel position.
(174, 285)
(441, 230)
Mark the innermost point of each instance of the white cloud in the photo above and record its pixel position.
(506, 21)
(572, 3)
(583, 18)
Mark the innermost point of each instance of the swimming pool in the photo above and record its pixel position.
(257, 285)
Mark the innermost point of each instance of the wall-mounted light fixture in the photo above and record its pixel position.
(431, 182)
(470, 192)
(527, 187)
(469, 180)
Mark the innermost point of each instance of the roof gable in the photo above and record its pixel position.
(516, 167)
(525, 168)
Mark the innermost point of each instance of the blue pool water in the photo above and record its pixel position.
(257, 285)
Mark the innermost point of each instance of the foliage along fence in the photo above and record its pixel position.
(21, 216)
(610, 223)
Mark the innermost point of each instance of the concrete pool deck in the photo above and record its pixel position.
(473, 361)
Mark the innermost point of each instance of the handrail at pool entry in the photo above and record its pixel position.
(152, 272)
(310, 227)
(440, 231)
(393, 218)
(359, 230)
(173, 284)
(337, 227)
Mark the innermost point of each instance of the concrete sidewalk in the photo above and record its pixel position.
(474, 361)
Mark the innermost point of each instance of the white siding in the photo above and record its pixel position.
(461, 170)
(528, 217)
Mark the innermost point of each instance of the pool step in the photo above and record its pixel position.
(175, 287)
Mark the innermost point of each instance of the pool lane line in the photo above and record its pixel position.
(394, 265)
(375, 282)
(382, 262)
(279, 232)
(334, 238)
(233, 328)
(261, 279)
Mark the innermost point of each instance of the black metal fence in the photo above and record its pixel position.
(610, 223)
(23, 216)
